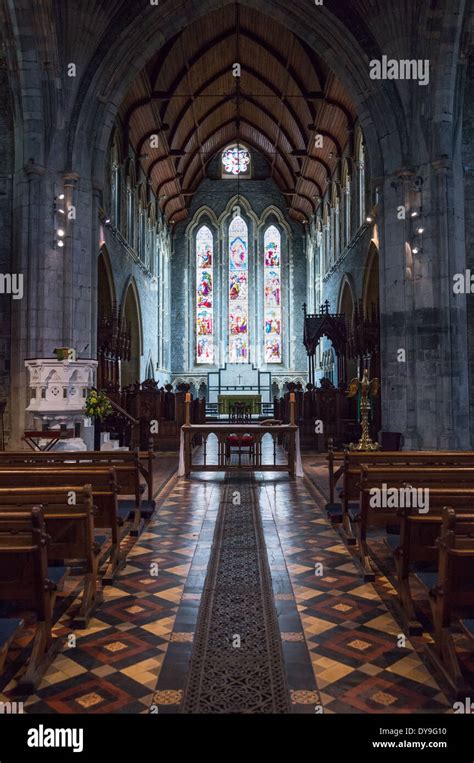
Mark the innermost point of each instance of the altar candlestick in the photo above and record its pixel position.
(292, 407)
(187, 409)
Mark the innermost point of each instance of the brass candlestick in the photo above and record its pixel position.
(366, 389)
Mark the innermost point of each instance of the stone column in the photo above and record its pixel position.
(424, 396)
(28, 247)
(70, 185)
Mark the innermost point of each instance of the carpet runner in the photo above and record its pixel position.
(237, 661)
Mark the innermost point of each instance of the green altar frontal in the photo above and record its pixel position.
(226, 401)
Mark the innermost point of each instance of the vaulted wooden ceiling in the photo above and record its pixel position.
(285, 97)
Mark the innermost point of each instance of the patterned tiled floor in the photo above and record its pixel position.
(135, 655)
(350, 633)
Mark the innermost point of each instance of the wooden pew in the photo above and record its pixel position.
(143, 460)
(70, 527)
(349, 470)
(452, 596)
(353, 482)
(104, 491)
(126, 478)
(415, 549)
(407, 478)
(9, 627)
(27, 582)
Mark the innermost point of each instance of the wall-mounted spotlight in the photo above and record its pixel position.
(59, 220)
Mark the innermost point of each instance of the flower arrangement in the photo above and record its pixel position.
(97, 404)
(65, 353)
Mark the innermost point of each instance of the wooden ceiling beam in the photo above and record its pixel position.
(215, 108)
(327, 169)
(332, 102)
(217, 39)
(217, 75)
(148, 135)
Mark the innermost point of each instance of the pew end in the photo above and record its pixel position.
(27, 583)
(452, 597)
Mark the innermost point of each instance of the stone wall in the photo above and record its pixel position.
(468, 168)
(125, 268)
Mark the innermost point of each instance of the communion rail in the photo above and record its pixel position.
(248, 457)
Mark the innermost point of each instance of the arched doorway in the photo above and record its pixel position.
(130, 368)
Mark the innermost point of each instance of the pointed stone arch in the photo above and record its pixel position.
(203, 216)
(130, 371)
(275, 212)
(106, 294)
(346, 306)
(245, 207)
(346, 300)
(371, 286)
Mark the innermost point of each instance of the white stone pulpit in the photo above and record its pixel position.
(58, 391)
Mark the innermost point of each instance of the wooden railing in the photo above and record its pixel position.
(235, 452)
(222, 409)
(248, 457)
(123, 424)
(122, 411)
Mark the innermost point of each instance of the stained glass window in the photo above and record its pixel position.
(238, 292)
(204, 296)
(235, 160)
(272, 295)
